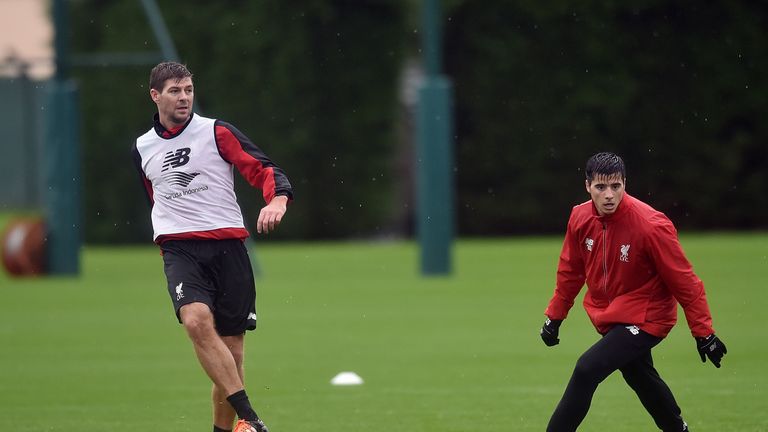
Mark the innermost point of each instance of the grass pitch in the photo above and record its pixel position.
(461, 353)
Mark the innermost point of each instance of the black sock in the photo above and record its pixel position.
(241, 404)
(218, 429)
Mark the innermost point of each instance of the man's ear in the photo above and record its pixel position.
(586, 185)
(155, 95)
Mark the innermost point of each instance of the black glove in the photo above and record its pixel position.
(550, 331)
(712, 347)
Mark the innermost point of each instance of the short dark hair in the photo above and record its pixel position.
(605, 163)
(165, 71)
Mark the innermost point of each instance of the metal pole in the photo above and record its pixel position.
(31, 185)
(61, 39)
(434, 179)
(432, 35)
(61, 165)
(160, 30)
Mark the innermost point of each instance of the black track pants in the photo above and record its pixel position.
(624, 348)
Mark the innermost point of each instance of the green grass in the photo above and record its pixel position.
(104, 352)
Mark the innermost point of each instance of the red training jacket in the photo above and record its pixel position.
(635, 270)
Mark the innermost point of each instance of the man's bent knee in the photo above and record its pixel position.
(196, 317)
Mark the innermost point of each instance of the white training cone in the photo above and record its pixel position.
(346, 379)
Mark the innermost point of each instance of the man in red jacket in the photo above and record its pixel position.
(636, 273)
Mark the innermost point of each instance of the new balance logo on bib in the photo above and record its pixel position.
(176, 159)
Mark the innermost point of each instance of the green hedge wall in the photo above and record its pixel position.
(677, 88)
(312, 82)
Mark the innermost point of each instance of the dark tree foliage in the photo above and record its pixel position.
(312, 82)
(677, 88)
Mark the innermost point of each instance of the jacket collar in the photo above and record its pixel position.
(623, 209)
(162, 132)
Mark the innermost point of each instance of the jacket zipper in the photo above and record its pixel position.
(605, 261)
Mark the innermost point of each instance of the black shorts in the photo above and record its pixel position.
(217, 273)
